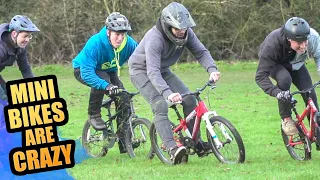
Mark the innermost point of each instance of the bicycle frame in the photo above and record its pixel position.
(201, 112)
(111, 116)
(311, 109)
(198, 112)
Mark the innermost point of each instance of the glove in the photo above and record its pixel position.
(284, 96)
(214, 76)
(112, 90)
(175, 98)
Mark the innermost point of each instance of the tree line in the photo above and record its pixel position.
(230, 29)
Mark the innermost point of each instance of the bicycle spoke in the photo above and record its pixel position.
(297, 146)
(226, 141)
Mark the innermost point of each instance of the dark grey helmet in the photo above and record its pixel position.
(22, 23)
(177, 16)
(297, 29)
(117, 22)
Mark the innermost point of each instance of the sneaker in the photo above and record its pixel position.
(203, 149)
(135, 144)
(96, 122)
(289, 126)
(177, 154)
(122, 147)
(317, 147)
(317, 134)
(185, 158)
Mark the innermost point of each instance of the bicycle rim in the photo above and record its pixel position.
(228, 146)
(138, 141)
(298, 146)
(95, 142)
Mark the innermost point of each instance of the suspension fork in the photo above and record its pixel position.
(130, 119)
(132, 115)
(210, 129)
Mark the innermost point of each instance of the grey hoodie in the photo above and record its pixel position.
(156, 53)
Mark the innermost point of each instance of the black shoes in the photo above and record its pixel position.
(203, 149)
(96, 122)
(177, 154)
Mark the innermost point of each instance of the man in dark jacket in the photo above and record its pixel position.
(14, 37)
(282, 56)
(160, 48)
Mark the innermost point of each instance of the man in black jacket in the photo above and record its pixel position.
(14, 37)
(282, 56)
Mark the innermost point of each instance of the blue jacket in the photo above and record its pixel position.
(99, 54)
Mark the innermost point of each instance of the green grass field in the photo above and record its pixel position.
(237, 98)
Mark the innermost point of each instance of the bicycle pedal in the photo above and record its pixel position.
(202, 154)
(135, 145)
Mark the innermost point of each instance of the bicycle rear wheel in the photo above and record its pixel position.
(138, 140)
(298, 146)
(227, 144)
(96, 143)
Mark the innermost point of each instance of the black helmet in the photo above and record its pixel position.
(22, 23)
(297, 29)
(177, 16)
(117, 22)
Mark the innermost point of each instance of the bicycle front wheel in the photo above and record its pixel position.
(298, 146)
(138, 140)
(95, 142)
(227, 144)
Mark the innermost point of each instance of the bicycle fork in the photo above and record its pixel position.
(211, 131)
(142, 132)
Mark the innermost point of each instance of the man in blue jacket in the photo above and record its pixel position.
(98, 66)
(14, 38)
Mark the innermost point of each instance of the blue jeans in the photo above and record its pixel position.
(159, 105)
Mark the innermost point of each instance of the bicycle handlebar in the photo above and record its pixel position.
(306, 90)
(198, 92)
(127, 92)
(208, 83)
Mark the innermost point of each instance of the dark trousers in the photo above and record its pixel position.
(3, 90)
(96, 96)
(300, 78)
(159, 105)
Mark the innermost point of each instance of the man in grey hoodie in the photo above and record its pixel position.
(149, 65)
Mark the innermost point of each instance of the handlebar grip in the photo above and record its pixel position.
(170, 103)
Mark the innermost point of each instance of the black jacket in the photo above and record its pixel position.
(275, 49)
(9, 54)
